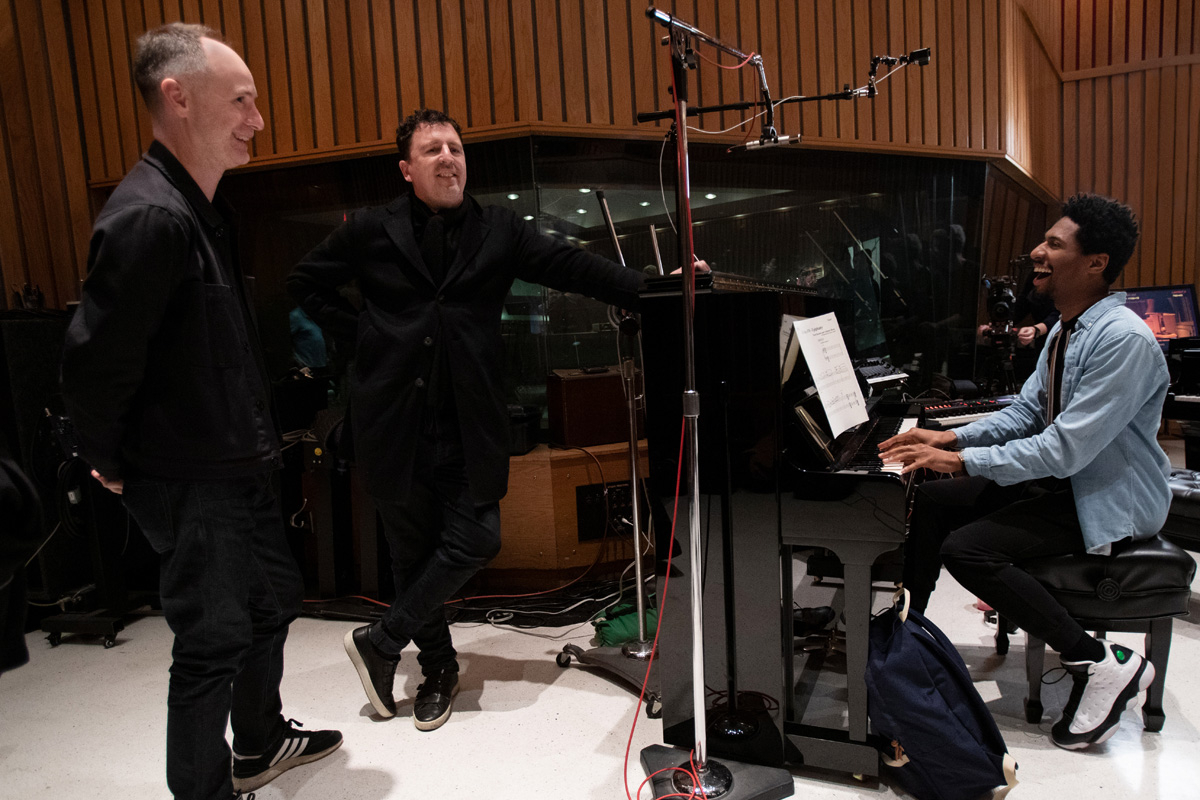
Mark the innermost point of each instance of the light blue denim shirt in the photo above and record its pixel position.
(1105, 437)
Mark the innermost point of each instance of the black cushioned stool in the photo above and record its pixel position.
(1140, 588)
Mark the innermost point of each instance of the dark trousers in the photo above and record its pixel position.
(439, 537)
(230, 588)
(983, 532)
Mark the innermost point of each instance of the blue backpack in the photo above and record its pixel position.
(944, 743)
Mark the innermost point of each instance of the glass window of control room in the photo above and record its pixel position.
(897, 236)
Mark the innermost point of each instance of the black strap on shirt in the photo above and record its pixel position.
(1054, 375)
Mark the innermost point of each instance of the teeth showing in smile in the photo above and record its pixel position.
(1041, 269)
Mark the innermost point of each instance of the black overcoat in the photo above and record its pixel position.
(406, 320)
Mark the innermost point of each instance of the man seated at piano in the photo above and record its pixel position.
(1072, 465)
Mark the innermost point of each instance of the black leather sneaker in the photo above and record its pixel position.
(435, 699)
(296, 747)
(376, 671)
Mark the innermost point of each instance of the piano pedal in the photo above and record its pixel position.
(826, 642)
(810, 627)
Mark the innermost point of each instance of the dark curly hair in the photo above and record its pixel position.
(1105, 226)
(424, 116)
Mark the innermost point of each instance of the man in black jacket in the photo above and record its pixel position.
(429, 412)
(166, 386)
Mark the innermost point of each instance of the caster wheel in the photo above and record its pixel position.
(109, 643)
(563, 660)
(55, 639)
(653, 708)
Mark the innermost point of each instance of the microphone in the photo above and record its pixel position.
(769, 143)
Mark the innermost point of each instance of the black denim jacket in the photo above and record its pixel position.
(162, 372)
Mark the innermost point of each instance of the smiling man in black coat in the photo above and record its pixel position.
(430, 419)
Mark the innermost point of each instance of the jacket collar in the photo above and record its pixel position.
(214, 214)
(398, 225)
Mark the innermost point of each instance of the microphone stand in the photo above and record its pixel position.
(671, 771)
(628, 661)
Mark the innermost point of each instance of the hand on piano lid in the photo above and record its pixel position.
(701, 266)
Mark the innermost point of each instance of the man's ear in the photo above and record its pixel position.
(404, 170)
(175, 99)
(1098, 263)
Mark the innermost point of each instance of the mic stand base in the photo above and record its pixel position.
(627, 662)
(728, 780)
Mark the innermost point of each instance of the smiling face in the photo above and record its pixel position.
(436, 166)
(224, 116)
(1063, 272)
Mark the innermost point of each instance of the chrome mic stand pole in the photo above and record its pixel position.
(714, 778)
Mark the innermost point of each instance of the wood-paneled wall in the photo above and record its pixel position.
(337, 75)
(44, 213)
(1131, 123)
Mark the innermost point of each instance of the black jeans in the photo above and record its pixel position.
(439, 537)
(230, 588)
(983, 532)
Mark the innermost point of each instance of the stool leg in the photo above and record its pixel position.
(1035, 659)
(1001, 635)
(1158, 648)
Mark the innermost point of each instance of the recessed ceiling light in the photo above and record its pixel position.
(581, 211)
(513, 196)
(528, 217)
(644, 203)
(710, 196)
(584, 191)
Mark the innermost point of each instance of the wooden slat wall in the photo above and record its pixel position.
(44, 214)
(1131, 123)
(1032, 99)
(336, 76)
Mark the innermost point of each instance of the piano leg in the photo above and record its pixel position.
(858, 617)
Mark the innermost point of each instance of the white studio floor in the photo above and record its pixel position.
(80, 721)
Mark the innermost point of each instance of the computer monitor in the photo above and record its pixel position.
(1170, 311)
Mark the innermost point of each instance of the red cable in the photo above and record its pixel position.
(723, 66)
(662, 607)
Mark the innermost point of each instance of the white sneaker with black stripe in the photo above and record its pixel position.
(295, 748)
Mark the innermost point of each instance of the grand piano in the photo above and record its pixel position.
(768, 485)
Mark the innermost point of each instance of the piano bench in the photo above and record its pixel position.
(1140, 588)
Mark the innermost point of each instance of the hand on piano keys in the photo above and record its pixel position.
(920, 448)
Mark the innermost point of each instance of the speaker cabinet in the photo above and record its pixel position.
(554, 515)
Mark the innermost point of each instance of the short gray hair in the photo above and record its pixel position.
(169, 51)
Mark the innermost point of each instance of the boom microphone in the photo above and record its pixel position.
(755, 145)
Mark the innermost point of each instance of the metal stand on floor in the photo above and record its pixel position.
(628, 661)
(674, 773)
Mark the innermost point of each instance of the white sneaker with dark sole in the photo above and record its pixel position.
(1103, 690)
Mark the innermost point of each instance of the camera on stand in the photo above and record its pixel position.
(999, 335)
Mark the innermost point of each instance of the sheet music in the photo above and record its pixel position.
(789, 348)
(825, 352)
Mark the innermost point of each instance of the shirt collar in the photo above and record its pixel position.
(1092, 314)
